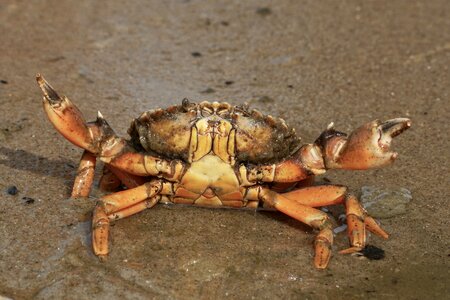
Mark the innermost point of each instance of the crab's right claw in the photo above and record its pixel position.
(367, 147)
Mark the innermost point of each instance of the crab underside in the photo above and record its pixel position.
(215, 154)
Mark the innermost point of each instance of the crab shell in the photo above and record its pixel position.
(253, 137)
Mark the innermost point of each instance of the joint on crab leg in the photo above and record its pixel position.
(117, 201)
(288, 171)
(145, 165)
(305, 214)
(367, 147)
(121, 204)
(85, 176)
(322, 248)
(291, 170)
(358, 221)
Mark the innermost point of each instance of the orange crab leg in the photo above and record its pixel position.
(305, 214)
(129, 180)
(85, 176)
(100, 232)
(119, 200)
(358, 221)
(291, 170)
(134, 209)
(121, 204)
(316, 196)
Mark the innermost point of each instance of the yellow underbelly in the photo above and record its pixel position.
(210, 182)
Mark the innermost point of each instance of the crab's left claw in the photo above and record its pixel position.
(367, 147)
(50, 94)
(66, 117)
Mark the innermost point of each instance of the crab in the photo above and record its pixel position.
(218, 155)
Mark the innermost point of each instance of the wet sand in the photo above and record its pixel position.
(309, 62)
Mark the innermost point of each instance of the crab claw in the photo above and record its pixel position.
(65, 116)
(50, 94)
(367, 147)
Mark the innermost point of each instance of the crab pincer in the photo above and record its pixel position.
(366, 147)
(65, 116)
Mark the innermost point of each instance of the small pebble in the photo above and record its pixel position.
(265, 99)
(264, 11)
(229, 82)
(196, 54)
(12, 190)
(28, 200)
(340, 229)
(208, 91)
(385, 203)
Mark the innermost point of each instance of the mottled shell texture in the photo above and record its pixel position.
(258, 139)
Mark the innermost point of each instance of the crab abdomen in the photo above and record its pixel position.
(211, 182)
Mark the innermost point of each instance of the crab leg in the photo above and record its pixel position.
(358, 221)
(316, 196)
(357, 218)
(134, 209)
(109, 182)
(288, 171)
(303, 213)
(99, 138)
(114, 203)
(85, 176)
(129, 180)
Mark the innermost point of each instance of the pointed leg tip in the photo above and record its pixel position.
(102, 257)
(320, 266)
(351, 250)
(383, 234)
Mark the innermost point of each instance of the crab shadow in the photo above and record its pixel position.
(26, 161)
(65, 168)
(285, 219)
